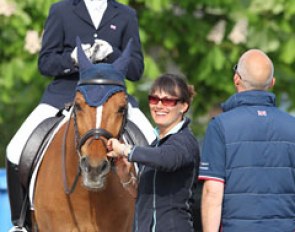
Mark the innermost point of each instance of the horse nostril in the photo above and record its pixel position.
(84, 164)
(104, 165)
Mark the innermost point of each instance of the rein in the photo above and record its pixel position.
(96, 133)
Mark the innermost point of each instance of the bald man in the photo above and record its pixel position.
(248, 157)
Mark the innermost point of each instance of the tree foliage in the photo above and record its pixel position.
(199, 39)
(205, 39)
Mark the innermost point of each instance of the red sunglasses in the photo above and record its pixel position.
(154, 100)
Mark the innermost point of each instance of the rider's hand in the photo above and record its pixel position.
(87, 50)
(100, 50)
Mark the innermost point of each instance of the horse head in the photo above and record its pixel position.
(100, 109)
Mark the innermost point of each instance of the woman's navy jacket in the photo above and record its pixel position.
(166, 175)
(68, 19)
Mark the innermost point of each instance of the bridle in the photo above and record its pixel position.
(96, 133)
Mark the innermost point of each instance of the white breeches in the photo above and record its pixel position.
(17, 143)
(44, 111)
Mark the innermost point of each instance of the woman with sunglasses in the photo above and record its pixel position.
(167, 168)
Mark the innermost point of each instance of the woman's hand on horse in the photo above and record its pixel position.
(113, 145)
(117, 149)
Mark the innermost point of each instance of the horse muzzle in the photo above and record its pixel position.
(94, 176)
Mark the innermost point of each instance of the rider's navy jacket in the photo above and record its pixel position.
(251, 148)
(167, 171)
(68, 19)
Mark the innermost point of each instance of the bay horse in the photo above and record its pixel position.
(77, 188)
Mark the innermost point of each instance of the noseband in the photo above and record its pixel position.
(96, 133)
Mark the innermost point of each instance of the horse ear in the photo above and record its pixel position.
(121, 64)
(84, 62)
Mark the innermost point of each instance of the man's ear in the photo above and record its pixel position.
(237, 80)
(272, 83)
(238, 83)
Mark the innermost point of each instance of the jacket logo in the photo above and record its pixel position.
(113, 27)
(262, 113)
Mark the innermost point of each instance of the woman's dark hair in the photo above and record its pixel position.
(175, 86)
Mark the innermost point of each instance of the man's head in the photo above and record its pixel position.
(254, 71)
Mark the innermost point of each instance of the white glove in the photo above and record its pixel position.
(87, 50)
(100, 50)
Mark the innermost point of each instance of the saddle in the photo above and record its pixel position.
(34, 148)
(133, 135)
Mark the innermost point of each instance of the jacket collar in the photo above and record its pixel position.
(80, 9)
(111, 11)
(181, 125)
(75, 2)
(249, 98)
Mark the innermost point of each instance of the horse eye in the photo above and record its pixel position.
(121, 110)
(78, 107)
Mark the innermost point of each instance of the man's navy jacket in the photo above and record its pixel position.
(251, 148)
